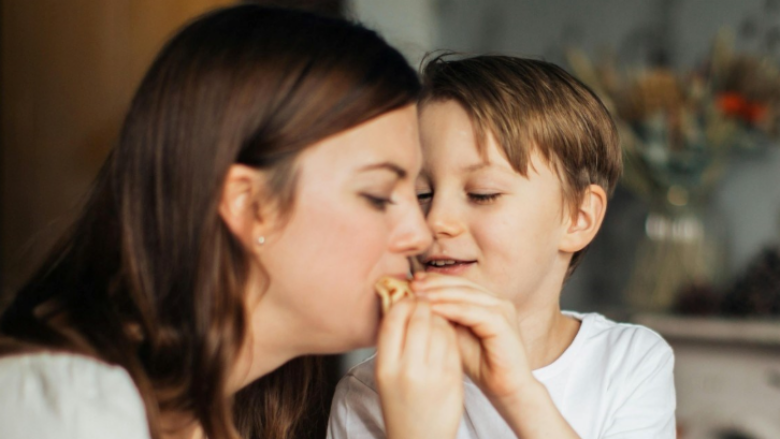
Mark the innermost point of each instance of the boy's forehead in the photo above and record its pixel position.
(445, 115)
(451, 145)
(448, 135)
(448, 120)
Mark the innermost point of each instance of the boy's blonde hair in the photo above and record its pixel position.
(531, 105)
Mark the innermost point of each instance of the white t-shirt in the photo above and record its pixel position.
(614, 381)
(65, 396)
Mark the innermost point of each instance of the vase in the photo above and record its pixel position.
(683, 248)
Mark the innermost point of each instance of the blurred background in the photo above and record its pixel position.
(691, 242)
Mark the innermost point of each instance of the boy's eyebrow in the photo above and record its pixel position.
(390, 166)
(479, 166)
(475, 167)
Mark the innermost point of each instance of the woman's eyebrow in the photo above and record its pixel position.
(390, 166)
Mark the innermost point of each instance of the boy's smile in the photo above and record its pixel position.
(490, 224)
(446, 265)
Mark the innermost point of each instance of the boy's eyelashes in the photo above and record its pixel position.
(483, 198)
(476, 197)
(424, 197)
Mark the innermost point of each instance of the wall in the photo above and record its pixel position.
(69, 69)
(409, 25)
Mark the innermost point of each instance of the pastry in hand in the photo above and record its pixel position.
(391, 290)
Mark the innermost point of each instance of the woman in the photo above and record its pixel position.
(262, 184)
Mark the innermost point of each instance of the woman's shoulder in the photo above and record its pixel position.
(362, 375)
(64, 366)
(48, 394)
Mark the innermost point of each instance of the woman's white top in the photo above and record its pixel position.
(66, 396)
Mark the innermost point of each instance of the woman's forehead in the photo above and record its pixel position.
(390, 141)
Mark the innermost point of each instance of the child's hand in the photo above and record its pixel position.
(493, 354)
(418, 373)
(491, 348)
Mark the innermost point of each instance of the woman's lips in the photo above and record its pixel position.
(454, 268)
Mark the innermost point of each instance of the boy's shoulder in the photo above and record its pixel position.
(620, 345)
(600, 330)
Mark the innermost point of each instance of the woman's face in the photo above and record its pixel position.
(355, 219)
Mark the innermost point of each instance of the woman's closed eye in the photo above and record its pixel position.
(377, 201)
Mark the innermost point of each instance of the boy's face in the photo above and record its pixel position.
(490, 224)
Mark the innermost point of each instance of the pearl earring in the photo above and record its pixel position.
(261, 240)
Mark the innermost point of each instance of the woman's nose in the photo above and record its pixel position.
(413, 236)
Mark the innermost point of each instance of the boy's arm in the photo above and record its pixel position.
(532, 414)
(645, 395)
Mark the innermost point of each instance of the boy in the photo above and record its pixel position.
(519, 160)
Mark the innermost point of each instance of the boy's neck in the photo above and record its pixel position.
(546, 334)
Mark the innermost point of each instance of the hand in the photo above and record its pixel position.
(418, 373)
(489, 339)
(494, 356)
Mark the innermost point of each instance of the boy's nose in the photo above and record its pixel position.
(413, 236)
(443, 222)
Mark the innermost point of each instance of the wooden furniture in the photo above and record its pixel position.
(727, 374)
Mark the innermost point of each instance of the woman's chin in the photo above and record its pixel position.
(348, 337)
(364, 336)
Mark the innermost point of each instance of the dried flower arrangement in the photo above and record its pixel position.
(678, 133)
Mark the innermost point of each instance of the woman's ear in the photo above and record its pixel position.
(586, 222)
(239, 204)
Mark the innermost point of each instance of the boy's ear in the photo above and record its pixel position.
(239, 206)
(585, 223)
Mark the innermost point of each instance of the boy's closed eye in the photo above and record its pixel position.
(483, 198)
(484, 191)
(425, 197)
(424, 189)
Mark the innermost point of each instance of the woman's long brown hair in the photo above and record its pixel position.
(149, 277)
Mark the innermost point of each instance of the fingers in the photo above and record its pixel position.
(430, 284)
(406, 331)
(392, 332)
(418, 333)
(412, 333)
(482, 321)
(443, 349)
(461, 295)
(440, 289)
(422, 393)
(433, 280)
